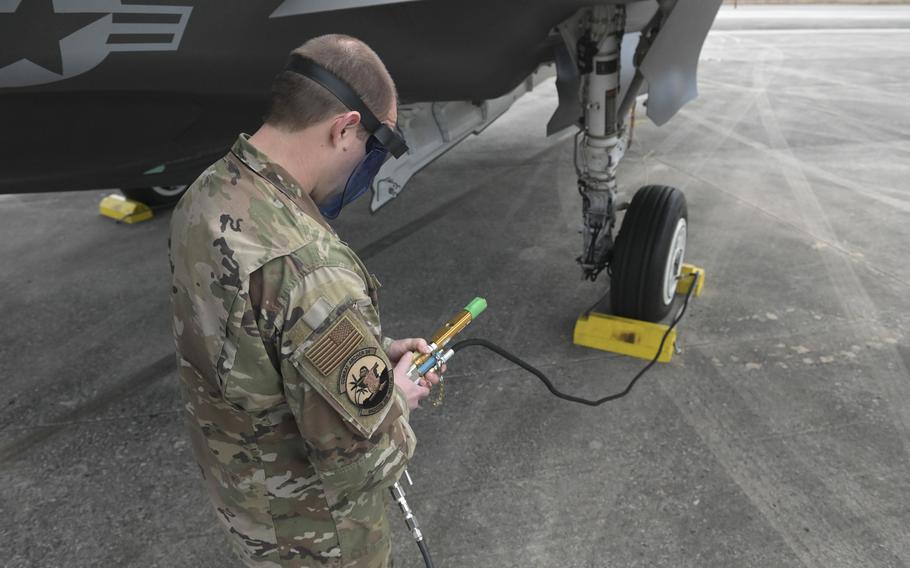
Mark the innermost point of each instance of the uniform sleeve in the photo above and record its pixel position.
(340, 384)
(386, 343)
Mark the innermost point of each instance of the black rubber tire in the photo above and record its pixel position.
(164, 196)
(641, 253)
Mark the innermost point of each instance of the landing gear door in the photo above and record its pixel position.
(672, 61)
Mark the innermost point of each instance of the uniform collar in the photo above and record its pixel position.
(278, 177)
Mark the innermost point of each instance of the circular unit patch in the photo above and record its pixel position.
(367, 381)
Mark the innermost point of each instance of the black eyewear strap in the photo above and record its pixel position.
(389, 138)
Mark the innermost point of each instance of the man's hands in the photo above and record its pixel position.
(400, 354)
(401, 346)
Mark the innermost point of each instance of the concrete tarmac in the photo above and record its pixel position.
(779, 437)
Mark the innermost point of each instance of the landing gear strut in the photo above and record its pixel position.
(600, 144)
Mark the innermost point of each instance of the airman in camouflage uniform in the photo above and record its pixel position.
(295, 418)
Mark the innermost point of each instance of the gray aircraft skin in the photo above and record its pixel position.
(139, 94)
(97, 93)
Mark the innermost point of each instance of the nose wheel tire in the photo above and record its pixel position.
(649, 253)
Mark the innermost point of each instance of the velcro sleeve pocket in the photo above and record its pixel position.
(344, 363)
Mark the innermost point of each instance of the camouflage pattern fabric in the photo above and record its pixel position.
(295, 421)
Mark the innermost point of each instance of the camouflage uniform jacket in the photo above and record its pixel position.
(295, 420)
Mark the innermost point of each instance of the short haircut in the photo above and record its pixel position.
(297, 102)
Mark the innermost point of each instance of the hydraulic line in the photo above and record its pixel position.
(424, 551)
(397, 491)
(572, 398)
(398, 496)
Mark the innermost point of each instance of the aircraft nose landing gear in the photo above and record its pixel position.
(645, 261)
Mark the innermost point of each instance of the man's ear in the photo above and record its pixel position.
(344, 128)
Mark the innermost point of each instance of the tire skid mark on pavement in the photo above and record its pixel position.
(856, 303)
(806, 514)
(141, 379)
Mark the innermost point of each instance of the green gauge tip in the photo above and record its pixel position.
(476, 306)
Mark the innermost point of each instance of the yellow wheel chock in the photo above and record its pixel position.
(124, 210)
(685, 281)
(631, 337)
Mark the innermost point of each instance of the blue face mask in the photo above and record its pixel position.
(359, 181)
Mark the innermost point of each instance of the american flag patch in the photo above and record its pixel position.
(337, 343)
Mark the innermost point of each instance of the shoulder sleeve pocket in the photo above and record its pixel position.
(344, 363)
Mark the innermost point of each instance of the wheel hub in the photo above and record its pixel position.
(675, 258)
(168, 190)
